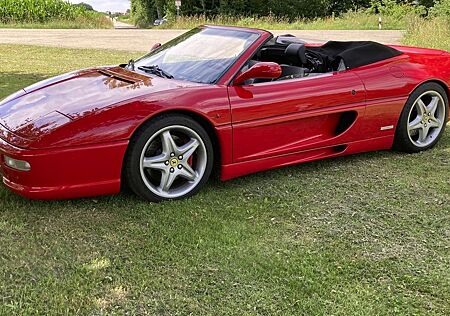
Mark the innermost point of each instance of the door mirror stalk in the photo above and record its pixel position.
(261, 70)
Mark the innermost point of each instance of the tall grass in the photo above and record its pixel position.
(124, 18)
(350, 20)
(32, 12)
(433, 33)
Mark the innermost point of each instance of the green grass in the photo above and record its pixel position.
(433, 33)
(361, 235)
(49, 14)
(125, 18)
(100, 24)
(347, 21)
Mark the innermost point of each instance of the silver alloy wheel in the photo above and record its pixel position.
(173, 161)
(426, 118)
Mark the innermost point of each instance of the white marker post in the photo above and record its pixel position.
(178, 5)
(379, 23)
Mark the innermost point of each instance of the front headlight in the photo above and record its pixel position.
(17, 164)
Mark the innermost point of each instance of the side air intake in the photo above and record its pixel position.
(346, 120)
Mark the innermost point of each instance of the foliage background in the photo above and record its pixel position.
(50, 11)
(145, 11)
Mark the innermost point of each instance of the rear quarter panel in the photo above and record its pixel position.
(389, 83)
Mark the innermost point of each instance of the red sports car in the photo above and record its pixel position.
(225, 99)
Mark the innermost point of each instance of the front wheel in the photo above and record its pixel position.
(169, 158)
(423, 119)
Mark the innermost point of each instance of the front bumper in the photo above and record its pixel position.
(63, 173)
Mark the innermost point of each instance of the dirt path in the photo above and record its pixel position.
(142, 40)
(122, 25)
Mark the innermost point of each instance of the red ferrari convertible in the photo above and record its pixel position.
(225, 99)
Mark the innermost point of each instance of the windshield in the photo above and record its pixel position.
(200, 55)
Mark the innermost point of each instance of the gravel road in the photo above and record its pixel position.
(142, 40)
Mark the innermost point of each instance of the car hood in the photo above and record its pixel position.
(51, 103)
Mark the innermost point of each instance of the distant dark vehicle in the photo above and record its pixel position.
(161, 21)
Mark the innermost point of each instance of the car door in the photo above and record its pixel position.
(290, 116)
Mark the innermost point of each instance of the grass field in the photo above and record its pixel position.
(125, 19)
(347, 21)
(361, 235)
(433, 33)
(49, 14)
(80, 23)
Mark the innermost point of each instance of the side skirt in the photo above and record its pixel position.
(235, 170)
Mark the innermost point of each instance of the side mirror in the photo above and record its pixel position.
(155, 47)
(262, 70)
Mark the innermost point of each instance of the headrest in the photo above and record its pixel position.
(288, 39)
(296, 53)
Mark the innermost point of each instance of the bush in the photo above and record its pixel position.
(396, 10)
(142, 13)
(360, 20)
(441, 9)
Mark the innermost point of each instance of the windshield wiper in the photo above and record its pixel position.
(156, 70)
(130, 64)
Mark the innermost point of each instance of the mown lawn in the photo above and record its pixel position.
(360, 235)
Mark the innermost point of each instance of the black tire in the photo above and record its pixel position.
(402, 141)
(132, 162)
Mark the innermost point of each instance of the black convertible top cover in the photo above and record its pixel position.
(355, 53)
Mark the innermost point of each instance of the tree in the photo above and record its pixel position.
(160, 8)
(86, 6)
(144, 11)
(341, 6)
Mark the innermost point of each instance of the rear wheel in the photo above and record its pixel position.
(423, 119)
(169, 158)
